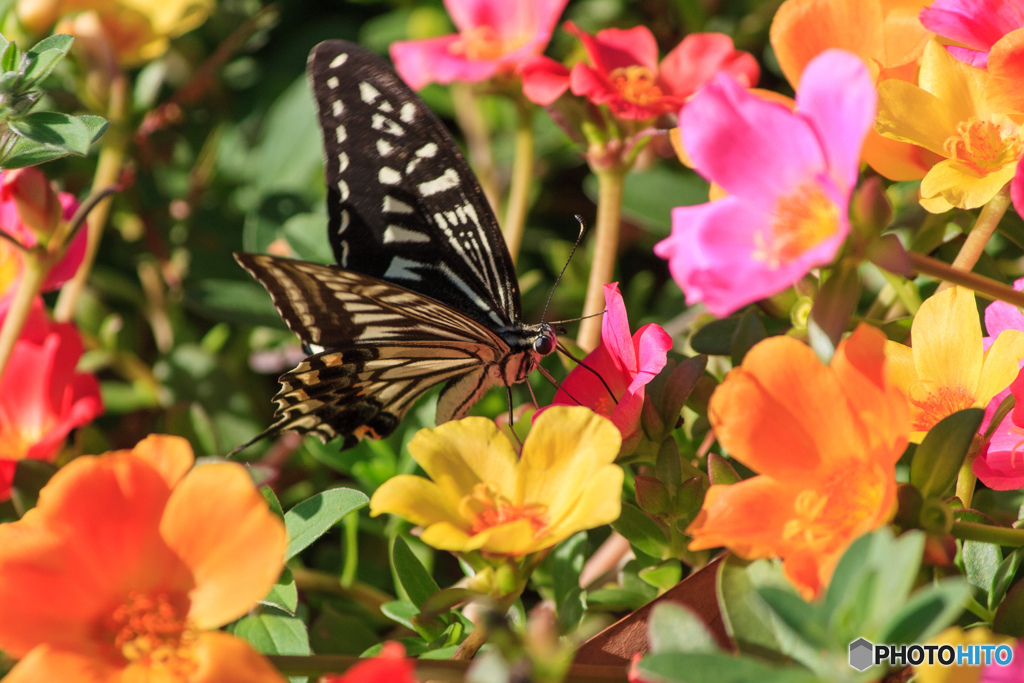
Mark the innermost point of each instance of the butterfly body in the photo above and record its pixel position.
(424, 292)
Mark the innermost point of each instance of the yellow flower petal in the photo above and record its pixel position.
(460, 454)
(1001, 364)
(960, 86)
(415, 499)
(962, 185)
(946, 338)
(909, 114)
(598, 503)
(936, 204)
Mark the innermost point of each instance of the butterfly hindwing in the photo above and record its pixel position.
(383, 347)
(403, 204)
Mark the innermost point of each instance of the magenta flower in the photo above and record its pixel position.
(1000, 465)
(494, 38)
(42, 398)
(977, 24)
(789, 177)
(625, 75)
(625, 364)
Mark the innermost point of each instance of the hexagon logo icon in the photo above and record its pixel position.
(861, 654)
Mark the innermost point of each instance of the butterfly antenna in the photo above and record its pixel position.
(597, 374)
(579, 238)
(574, 320)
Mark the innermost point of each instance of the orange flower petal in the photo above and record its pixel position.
(46, 663)
(223, 658)
(782, 412)
(220, 526)
(896, 160)
(91, 538)
(170, 455)
(748, 517)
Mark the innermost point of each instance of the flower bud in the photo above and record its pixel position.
(720, 471)
(38, 15)
(870, 209)
(652, 496)
(35, 198)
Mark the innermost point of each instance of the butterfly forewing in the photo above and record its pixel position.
(403, 204)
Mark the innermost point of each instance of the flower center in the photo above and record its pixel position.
(826, 514)
(488, 509)
(10, 266)
(801, 220)
(931, 404)
(149, 630)
(986, 145)
(636, 84)
(483, 43)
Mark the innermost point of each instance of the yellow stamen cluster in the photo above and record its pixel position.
(802, 219)
(986, 145)
(930, 405)
(150, 631)
(636, 84)
(483, 43)
(490, 509)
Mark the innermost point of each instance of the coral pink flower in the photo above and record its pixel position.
(12, 193)
(624, 73)
(42, 398)
(789, 177)
(626, 364)
(977, 24)
(390, 665)
(493, 38)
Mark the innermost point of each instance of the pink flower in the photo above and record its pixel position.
(789, 176)
(1000, 465)
(625, 364)
(977, 24)
(12, 193)
(390, 666)
(493, 38)
(42, 398)
(624, 73)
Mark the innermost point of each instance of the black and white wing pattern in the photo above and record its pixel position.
(403, 204)
(424, 291)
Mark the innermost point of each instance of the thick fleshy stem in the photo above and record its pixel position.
(998, 535)
(36, 266)
(431, 669)
(988, 288)
(522, 179)
(610, 187)
(478, 140)
(981, 233)
(965, 478)
(108, 170)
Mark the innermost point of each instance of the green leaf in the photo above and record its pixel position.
(283, 595)
(1009, 617)
(717, 668)
(928, 611)
(649, 196)
(414, 577)
(566, 564)
(616, 599)
(310, 519)
(44, 57)
(981, 562)
(54, 129)
(234, 301)
(835, 302)
(641, 531)
(676, 628)
(715, 338)
(937, 460)
(30, 476)
(334, 633)
(1003, 577)
(401, 612)
(305, 234)
(272, 502)
(749, 332)
(447, 599)
(274, 634)
(664, 575)
(801, 617)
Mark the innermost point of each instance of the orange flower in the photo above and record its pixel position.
(825, 441)
(127, 563)
(886, 34)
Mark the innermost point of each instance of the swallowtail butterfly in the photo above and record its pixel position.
(424, 290)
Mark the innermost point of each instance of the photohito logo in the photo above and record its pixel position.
(864, 654)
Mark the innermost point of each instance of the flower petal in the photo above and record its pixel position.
(420, 62)
(1001, 364)
(415, 499)
(47, 663)
(544, 79)
(946, 337)
(460, 454)
(700, 56)
(223, 658)
(748, 517)
(977, 23)
(1000, 315)
(615, 48)
(171, 456)
(962, 185)
(220, 526)
(908, 113)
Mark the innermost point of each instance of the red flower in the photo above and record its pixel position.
(390, 666)
(42, 398)
(494, 38)
(27, 203)
(625, 75)
(625, 364)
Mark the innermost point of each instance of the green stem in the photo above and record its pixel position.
(982, 231)
(965, 479)
(1000, 535)
(610, 186)
(990, 289)
(366, 595)
(351, 541)
(33, 274)
(478, 140)
(108, 170)
(522, 179)
(903, 290)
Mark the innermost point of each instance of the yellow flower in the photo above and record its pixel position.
(137, 30)
(483, 498)
(947, 369)
(963, 114)
(956, 636)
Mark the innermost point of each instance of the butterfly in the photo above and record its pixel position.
(424, 291)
